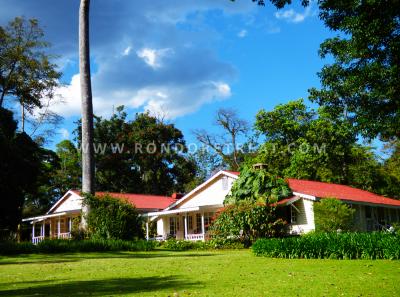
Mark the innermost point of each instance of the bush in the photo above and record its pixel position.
(247, 222)
(377, 245)
(213, 244)
(72, 246)
(331, 215)
(111, 218)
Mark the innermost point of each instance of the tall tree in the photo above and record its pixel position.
(143, 155)
(363, 82)
(88, 172)
(306, 144)
(226, 144)
(19, 170)
(27, 75)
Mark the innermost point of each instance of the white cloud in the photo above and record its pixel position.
(166, 100)
(64, 133)
(153, 57)
(293, 16)
(242, 33)
(127, 51)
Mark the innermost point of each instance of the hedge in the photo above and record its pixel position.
(213, 244)
(376, 245)
(71, 246)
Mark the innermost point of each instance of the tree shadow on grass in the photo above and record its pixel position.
(65, 258)
(114, 287)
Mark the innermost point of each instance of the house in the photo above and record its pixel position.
(57, 222)
(189, 217)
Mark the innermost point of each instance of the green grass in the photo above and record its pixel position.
(193, 273)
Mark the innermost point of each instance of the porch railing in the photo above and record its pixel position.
(37, 239)
(194, 237)
(66, 235)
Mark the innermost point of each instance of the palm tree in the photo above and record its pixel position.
(86, 97)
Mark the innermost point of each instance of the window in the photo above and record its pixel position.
(190, 222)
(293, 215)
(207, 220)
(198, 223)
(225, 183)
(172, 225)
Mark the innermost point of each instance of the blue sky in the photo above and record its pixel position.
(181, 59)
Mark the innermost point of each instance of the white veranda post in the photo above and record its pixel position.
(58, 228)
(185, 218)
(202, 225)
(147, 229)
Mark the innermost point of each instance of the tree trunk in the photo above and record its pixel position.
(86, 97)
(22, 117)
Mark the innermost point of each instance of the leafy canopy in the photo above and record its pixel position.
(363, 81)
(26, 72)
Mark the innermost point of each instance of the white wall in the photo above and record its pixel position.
(72, 202)
(305, 218)
(213, 194)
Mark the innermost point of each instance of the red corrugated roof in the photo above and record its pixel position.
(141, 201)
(325, 190)
(233, 172)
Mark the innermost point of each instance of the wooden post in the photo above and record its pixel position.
(185, 235)
(70, 225)
(43, 227)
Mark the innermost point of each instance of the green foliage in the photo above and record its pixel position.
(74, 246)
(286, 123)
(19, 169)
(111, 218)
(301, 143)
(246, 222)
(212, 244)
(255, 185)
(178, 245)
(375, 245)
(363, 81)
(26, 73)
(144, 155)
(331, 215)
(69, 171)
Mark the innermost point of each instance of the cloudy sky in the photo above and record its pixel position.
(181, 59)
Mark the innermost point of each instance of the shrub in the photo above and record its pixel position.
(377, 245)
(247, 222)
(213, 244)
(111, 218)
(332, 214)
(72, 246)
(178, 245)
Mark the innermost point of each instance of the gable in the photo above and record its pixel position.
(70, 201)
(213, 193)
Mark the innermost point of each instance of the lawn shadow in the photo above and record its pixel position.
(75, 257)
(115, 286)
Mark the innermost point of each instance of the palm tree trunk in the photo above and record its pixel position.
(86, 97)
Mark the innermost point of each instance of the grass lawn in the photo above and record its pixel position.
(193, 273)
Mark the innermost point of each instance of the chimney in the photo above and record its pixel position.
(259, 166)
(177, 195)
